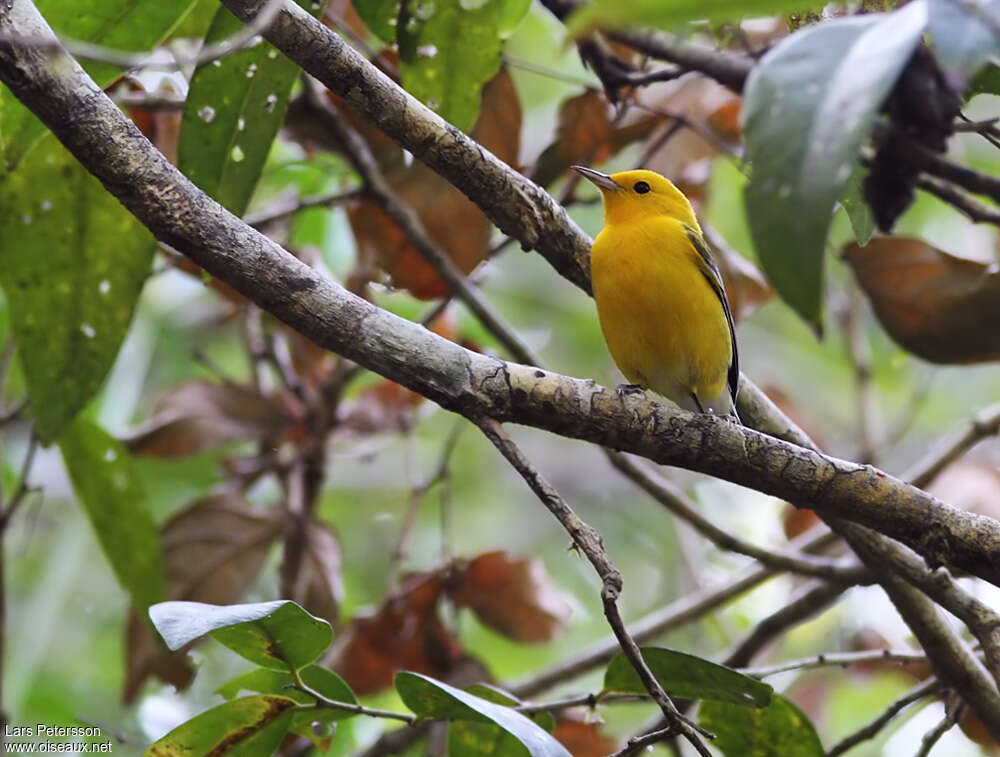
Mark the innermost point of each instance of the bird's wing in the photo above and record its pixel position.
(711, 273)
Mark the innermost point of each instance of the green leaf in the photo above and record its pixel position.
(108, 486)
(987, 81)
(250, 727)
(279, 635)
(380, 17)
(684, 675)
(267, 681)
(316, 724)
(615, 14)
(117, 24)
(448, 49)
(808, 105)
(963, 34)
(72, 264)
(510, 16)
(196, 22)
(779, 730)
(263, 681)
(858, 212)
(232, 113)
(469, 739)
(433, 699)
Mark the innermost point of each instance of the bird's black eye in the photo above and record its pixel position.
(641, 187)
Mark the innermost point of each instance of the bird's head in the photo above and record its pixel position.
(631, 196)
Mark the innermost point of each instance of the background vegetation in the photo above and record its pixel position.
(164, 437)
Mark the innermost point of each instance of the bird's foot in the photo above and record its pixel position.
(624, 390)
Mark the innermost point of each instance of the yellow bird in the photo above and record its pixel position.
(660, 297)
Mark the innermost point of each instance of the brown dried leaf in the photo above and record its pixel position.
(342, 13)
(214, 550)
(161, 126)
(200, 415)
(797, 520)
(147, 656)
(453, 221)
(974, 730)
(405, 633)
(686, 155)
(725, 120)
(384, 406)
(584, 739)
(513, 596)
(586, 134)
(388, 406)
(319, 586)
(938, 306)
(312, 363)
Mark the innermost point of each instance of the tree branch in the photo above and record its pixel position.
(677, 503)
(589, 542)
(869, 731)
(515, 204)
(674, 615)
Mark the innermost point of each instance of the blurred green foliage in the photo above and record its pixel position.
(65, 610)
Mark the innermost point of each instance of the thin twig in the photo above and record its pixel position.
(984, 424)
(590, 701)
(953, 713)
(23, 489)
(269, 215)
(807, 601)
(683, 610)
(975, 210)
(357, 709)
(870, 730)
(981, 620)
(364, 162)
(839, 659)
(247, 36)
(641, 743)
(677, 503)
(417, 493)
(589, 542)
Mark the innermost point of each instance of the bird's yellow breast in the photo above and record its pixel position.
(662, 320)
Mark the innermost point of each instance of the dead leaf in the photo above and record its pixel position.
(584, 739)
(453, 221)
(214, 550)
(975, 731)
(513, 596)
(312, 364)
(147, 656)
(938, 306)
(319, 585)
(200, 415)
(159, 125)
(587, 134)
(388, 406)
(342, 13)
(383, 406)
(405, 633)
(696, 100)
(725, 120)
(797, 520)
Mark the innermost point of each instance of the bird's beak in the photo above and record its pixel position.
(601, 180)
